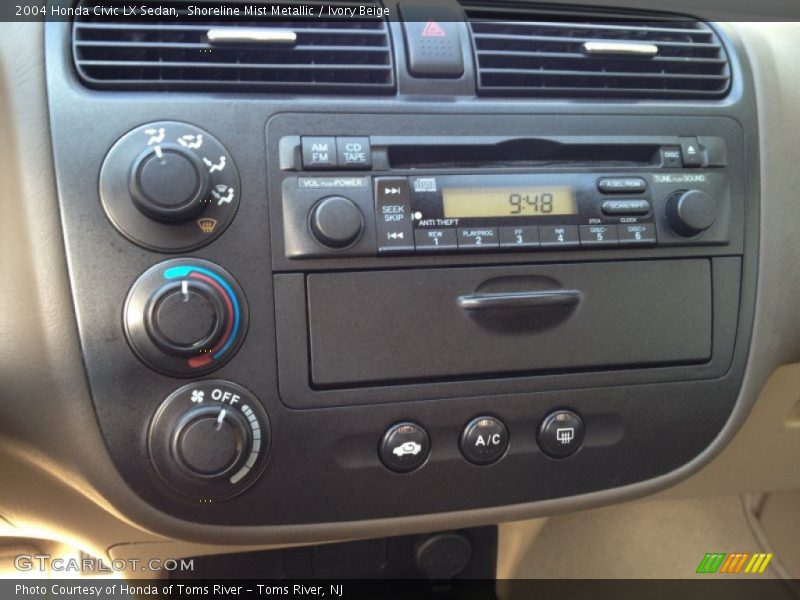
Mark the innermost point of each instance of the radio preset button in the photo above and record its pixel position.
(637, 233)
(435, 240)
(599, 235)
(621, 185)
(393, 215)
(319, 152)
(354, 152)
(625, 208)
(477, 238)
(559, 236)
(519, 237)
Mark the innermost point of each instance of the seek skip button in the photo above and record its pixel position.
(354, 152)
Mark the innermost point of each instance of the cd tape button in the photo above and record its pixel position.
(638, 233)
(477, 238)
(526, 236)
(625, 208)
(599, 235)
(559, 236)
(435, 240)
(354, 152)
(393, 215)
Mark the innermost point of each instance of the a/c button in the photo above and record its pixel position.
(484, 440)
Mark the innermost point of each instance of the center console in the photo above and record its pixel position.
(323, 311)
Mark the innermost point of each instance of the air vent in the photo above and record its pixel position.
(522, 52)
(306, 55)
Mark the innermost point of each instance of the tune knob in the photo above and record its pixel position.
(690, 212)
(336, 222)
(209, 440)
(185, 317)
(169, 183)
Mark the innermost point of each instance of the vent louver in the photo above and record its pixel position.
(528, 52)
(308, 55)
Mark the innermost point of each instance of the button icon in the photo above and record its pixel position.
(565, 435)
(561, 434)
(404, 447)
(207, 225)
(484, 440)
(412, 448)
(433, 29)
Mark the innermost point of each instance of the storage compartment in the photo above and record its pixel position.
(473, 323)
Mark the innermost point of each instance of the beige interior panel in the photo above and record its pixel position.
(664, 539)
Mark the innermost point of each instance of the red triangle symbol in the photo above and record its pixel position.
(433, 29)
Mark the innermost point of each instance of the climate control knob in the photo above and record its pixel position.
(185, 317)
(691, 212)
(170, 186)
(209, 440)
(336, 222)
(169, 183)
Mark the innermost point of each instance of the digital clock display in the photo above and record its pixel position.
(539, 201)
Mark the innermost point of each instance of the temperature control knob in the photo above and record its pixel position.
(185, 317)
(209, 440)
(691, 212)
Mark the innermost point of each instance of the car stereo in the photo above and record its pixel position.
(530, 194)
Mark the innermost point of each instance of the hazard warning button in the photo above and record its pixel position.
(433, 42)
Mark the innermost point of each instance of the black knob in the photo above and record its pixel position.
(336, 222)
(169, 183)
(690, 212)
(210, 442)
(185, 317)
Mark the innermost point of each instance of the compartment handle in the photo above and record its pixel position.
(510, 300)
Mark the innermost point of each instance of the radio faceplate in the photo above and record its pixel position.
(505, 212)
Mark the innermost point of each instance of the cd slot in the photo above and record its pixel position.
(519, 153)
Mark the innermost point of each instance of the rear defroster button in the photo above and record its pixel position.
(561, 433)
(404, 447)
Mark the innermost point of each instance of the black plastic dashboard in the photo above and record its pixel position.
(644, 344)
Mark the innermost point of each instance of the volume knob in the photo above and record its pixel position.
(691, 212)
(336, 222)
